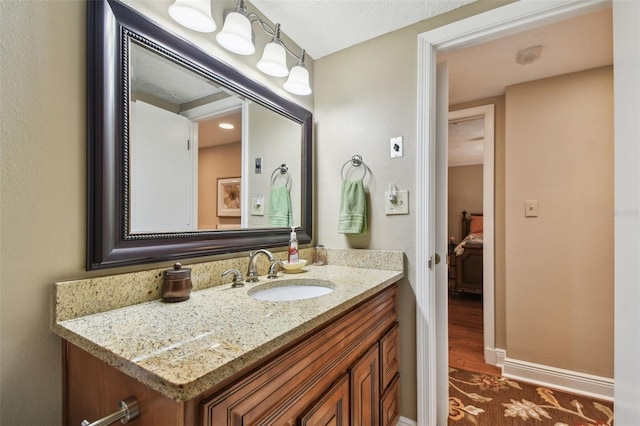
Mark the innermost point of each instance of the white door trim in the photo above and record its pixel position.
(626, 98)
(487, 112)
(505, 20)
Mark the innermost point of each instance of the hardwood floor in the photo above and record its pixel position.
(466, 342)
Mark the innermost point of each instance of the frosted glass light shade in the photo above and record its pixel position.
(193, 14)
(298, 81)
(236, 35)
(274, 60)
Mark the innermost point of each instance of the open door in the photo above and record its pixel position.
(441, 240)
(431, 249)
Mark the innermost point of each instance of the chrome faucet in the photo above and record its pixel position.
(252, 269)
(273, 273)
(237, 277)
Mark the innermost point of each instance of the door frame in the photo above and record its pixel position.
(500, 22)
(487, 112)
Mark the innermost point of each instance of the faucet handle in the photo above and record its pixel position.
(237, 277)
(272, 269)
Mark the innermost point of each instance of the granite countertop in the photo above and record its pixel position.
(182, 349)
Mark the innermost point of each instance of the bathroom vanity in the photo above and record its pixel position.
(225, 358)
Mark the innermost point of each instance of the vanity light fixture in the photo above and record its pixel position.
(237, 36)
(274, 57)
(298, 81)
(193, 14)
(226, 126)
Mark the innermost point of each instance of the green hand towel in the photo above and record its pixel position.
(352, 218)
(280, 206)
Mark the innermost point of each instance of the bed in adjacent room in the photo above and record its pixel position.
(465, 260)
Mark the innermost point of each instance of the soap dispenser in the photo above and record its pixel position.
(293, 247)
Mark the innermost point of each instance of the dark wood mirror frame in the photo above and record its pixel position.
(110, 26)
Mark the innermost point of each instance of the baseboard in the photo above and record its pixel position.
(403, 421)
(557, 378)
(494, 356)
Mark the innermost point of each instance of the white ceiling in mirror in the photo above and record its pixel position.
(466, 142)
(190, 94)
(323, 27)
(220, 136)
(150, 73)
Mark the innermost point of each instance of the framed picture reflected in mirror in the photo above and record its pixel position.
(229, 197)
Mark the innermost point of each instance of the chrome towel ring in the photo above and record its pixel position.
(356, 161)
(282, 170)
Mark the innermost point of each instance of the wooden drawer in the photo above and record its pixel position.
(390, 403)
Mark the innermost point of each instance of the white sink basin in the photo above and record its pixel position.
(289, 290)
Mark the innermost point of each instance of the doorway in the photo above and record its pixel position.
(470, 186)
(507, 20)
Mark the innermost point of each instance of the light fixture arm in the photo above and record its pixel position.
(238, 36)
(268, 29)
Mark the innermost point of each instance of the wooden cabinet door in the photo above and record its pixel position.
(389, 356)
(365, 389)
(332, 409)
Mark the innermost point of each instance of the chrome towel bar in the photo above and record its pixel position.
(128, 410)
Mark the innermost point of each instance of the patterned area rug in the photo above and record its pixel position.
(483, 400)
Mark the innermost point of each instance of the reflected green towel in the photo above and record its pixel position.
(280, 206)
(352, 218)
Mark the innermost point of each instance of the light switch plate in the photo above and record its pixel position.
(531, 208)
(401, 206)
(395, 147)
(256, 210)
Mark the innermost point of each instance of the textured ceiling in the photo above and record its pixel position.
(322, 27)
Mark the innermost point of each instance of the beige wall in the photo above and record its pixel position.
(215, 162)
(559, 266)
(465, 193)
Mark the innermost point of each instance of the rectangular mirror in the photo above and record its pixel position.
(188, 134)
(165, 179)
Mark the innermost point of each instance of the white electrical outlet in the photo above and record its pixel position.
(395, 146)
(401, 205)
